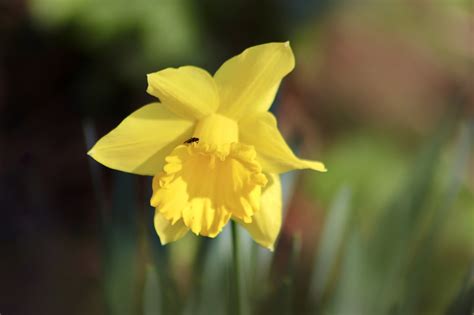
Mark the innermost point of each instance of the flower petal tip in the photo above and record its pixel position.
(91, 152)
(315, 166)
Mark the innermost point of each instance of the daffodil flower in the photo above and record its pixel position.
(212, 146)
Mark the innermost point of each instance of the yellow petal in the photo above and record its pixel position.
(204, 186)
(169, 232)
(247, 83)
(275, 156)
(188, 91)
(266, 223)
(140, 143)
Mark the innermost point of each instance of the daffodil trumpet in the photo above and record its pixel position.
(212, 146)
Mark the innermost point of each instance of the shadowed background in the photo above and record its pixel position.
(382, 93)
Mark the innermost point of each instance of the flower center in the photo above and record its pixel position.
(205, 185)
(217, 129)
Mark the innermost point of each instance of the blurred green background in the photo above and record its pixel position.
(382, 93)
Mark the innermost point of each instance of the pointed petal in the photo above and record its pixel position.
(166, 231)
(188, 91)
(140, 143)
(247, 83)
(275, 156)
(266, 223)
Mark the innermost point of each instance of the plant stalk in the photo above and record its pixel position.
(237, 285)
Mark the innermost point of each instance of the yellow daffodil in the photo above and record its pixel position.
(212, 146)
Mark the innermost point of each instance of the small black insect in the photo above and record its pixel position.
(191, 140)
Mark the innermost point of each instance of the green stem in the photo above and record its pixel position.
(236, 270)
(292, 272)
